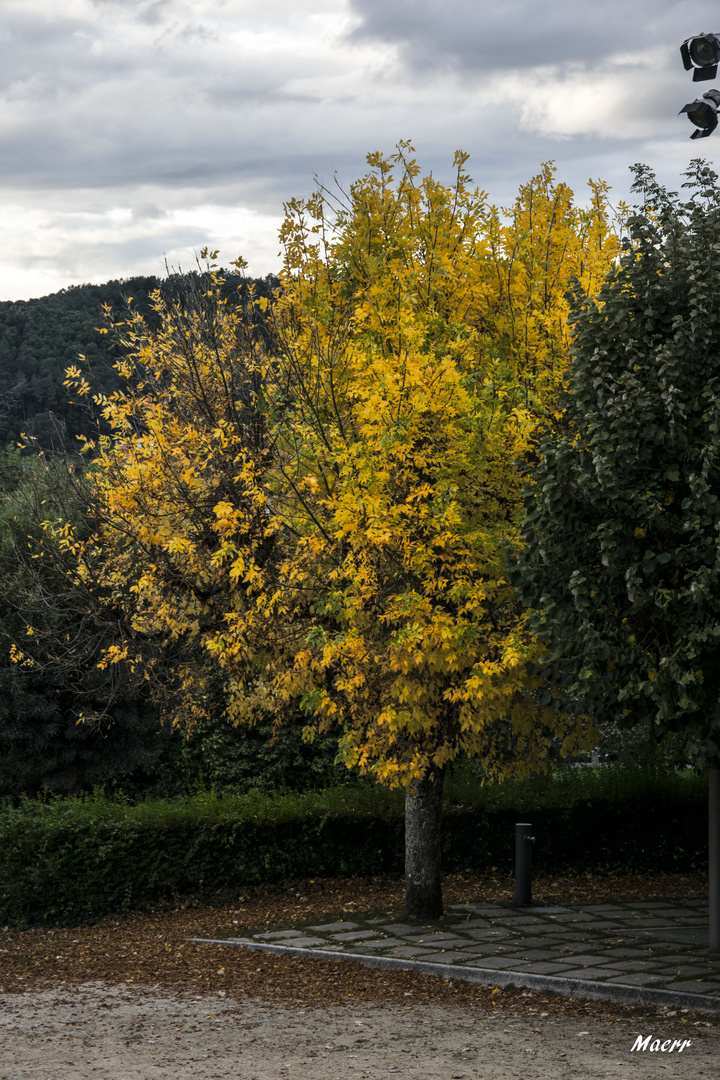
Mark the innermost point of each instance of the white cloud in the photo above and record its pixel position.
(95, 241)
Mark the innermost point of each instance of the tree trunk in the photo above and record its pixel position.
(423, 887)
(714, 858)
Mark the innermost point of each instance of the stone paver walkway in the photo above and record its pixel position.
(649, 951)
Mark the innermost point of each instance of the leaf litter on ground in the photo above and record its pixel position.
(149, 949)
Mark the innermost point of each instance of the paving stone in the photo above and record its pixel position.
(602, 907)
(540, 958)
(686, 969)
(482, 948)
(568, 956)
(380, 943)
(487, 935)
(688, 939)
(652, 904)
(558, 937)
(680, 958)
(436, 940)
(690, 987)
(477, 937)
(535, 933)
(408, 952)
(526, 945)
(354, 935)
(593, 974)
(502, 963)
(678, 913)
(638, 965)
(646, 979)
(573, 917)
(652, 928)
(603, 924)
(519, 920)
(485, 950)
(278, 935)
(492, 933)
(306, 942)
(545, 969)
(570, 936)
(679, 987)
(334, 927)
(444, 957)
(532, 942)
(473, 924)
(510, 949)
(580, 959)
(643, 945)
(627, 954)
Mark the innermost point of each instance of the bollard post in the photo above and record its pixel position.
(523, 864)
(714, 858)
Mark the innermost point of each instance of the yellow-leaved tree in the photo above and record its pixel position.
(317, 496)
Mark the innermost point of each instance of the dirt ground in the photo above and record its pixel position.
(131, 999)
(115, 1033)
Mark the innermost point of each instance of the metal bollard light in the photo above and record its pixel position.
(524, 841)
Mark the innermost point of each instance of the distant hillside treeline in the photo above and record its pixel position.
(40, 338)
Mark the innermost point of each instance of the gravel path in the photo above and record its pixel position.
(97, 1032)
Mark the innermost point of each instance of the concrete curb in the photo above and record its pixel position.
(585, 988)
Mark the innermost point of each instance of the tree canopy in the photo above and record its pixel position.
(39, 338)
(42, 744)
(125, 742)
(316, 495)
(331, 506)
(621, 559)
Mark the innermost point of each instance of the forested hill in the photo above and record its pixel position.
(40, 338)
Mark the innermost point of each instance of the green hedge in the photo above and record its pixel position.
(72, 861)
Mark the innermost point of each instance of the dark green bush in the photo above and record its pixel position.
(226, 758)
(65, 861)
(74, 860)
(604, 818)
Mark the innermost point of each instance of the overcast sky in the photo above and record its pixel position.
(134, 131)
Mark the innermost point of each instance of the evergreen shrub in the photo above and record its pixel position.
(66, 861)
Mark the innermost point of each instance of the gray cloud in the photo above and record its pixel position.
(482, 37)
(150, 98)
(147, 211)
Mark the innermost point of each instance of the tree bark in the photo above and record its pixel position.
(423, 886)
(714, 858)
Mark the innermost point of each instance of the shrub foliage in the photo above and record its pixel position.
(75, 860)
